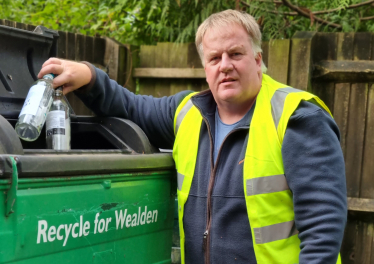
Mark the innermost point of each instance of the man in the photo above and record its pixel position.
(260, 170)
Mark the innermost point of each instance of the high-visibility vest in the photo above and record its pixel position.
(268, 198)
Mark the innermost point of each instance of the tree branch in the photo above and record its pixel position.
(340, 8)
(270, 1)
(314, 13)
(271, 11)
(309, 15)
(366, 18)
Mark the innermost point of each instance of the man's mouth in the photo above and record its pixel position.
(225, 80)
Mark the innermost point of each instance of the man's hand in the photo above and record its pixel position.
(71, 75)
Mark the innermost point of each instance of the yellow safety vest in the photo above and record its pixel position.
(268, 198)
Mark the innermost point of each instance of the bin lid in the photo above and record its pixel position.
(22, 55)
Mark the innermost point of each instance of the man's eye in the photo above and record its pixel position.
(214, 59)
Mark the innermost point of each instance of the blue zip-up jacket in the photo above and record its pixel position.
(313, 163)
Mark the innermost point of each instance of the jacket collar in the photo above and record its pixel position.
(205, 102)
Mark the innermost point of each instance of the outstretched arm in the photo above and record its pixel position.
(105, 97)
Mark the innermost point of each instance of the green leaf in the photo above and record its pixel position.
(128, 27)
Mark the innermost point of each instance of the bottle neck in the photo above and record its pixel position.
(49, 76)
(58, 94)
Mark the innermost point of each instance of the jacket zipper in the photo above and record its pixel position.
(206, 244)
(213, 169)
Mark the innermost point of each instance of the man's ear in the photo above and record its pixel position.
(259, 59)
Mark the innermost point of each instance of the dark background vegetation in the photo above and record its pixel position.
(151, 21)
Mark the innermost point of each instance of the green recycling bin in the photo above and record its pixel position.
(110, 199)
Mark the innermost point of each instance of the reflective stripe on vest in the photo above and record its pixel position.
(275, 232)
(182, 114)
(277, 102)
(180, 180)
(268, 184)
(269, 200)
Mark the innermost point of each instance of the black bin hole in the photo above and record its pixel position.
(29, 56)
(5, 82)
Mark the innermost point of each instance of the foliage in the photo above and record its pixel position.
(151, 21)
(273, 16)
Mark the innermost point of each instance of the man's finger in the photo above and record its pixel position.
(67, 89)
(52, 61)
(51, 68)
(61, 80)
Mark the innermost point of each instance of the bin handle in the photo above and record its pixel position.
(12, 192)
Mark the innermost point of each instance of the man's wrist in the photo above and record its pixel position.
(86, 88)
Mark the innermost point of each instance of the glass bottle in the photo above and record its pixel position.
(34, 111)
(58, 123)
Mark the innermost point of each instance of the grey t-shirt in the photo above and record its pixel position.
(221, 131)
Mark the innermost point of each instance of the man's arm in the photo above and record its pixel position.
(155, 116)
(314, 168)
(107, 98)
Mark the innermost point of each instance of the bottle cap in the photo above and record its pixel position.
(59, 88)
(49, 76)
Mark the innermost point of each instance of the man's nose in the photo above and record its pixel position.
(226, 63)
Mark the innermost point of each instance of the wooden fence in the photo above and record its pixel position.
(169, 68)
(343, 76)
(339, 68)
(104, 53)
(177, 67)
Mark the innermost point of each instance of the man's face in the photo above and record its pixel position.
(232, 72)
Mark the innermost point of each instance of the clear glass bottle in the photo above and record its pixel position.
(34, 111)
(58, 123)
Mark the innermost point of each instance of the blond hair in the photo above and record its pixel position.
(228, 17)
